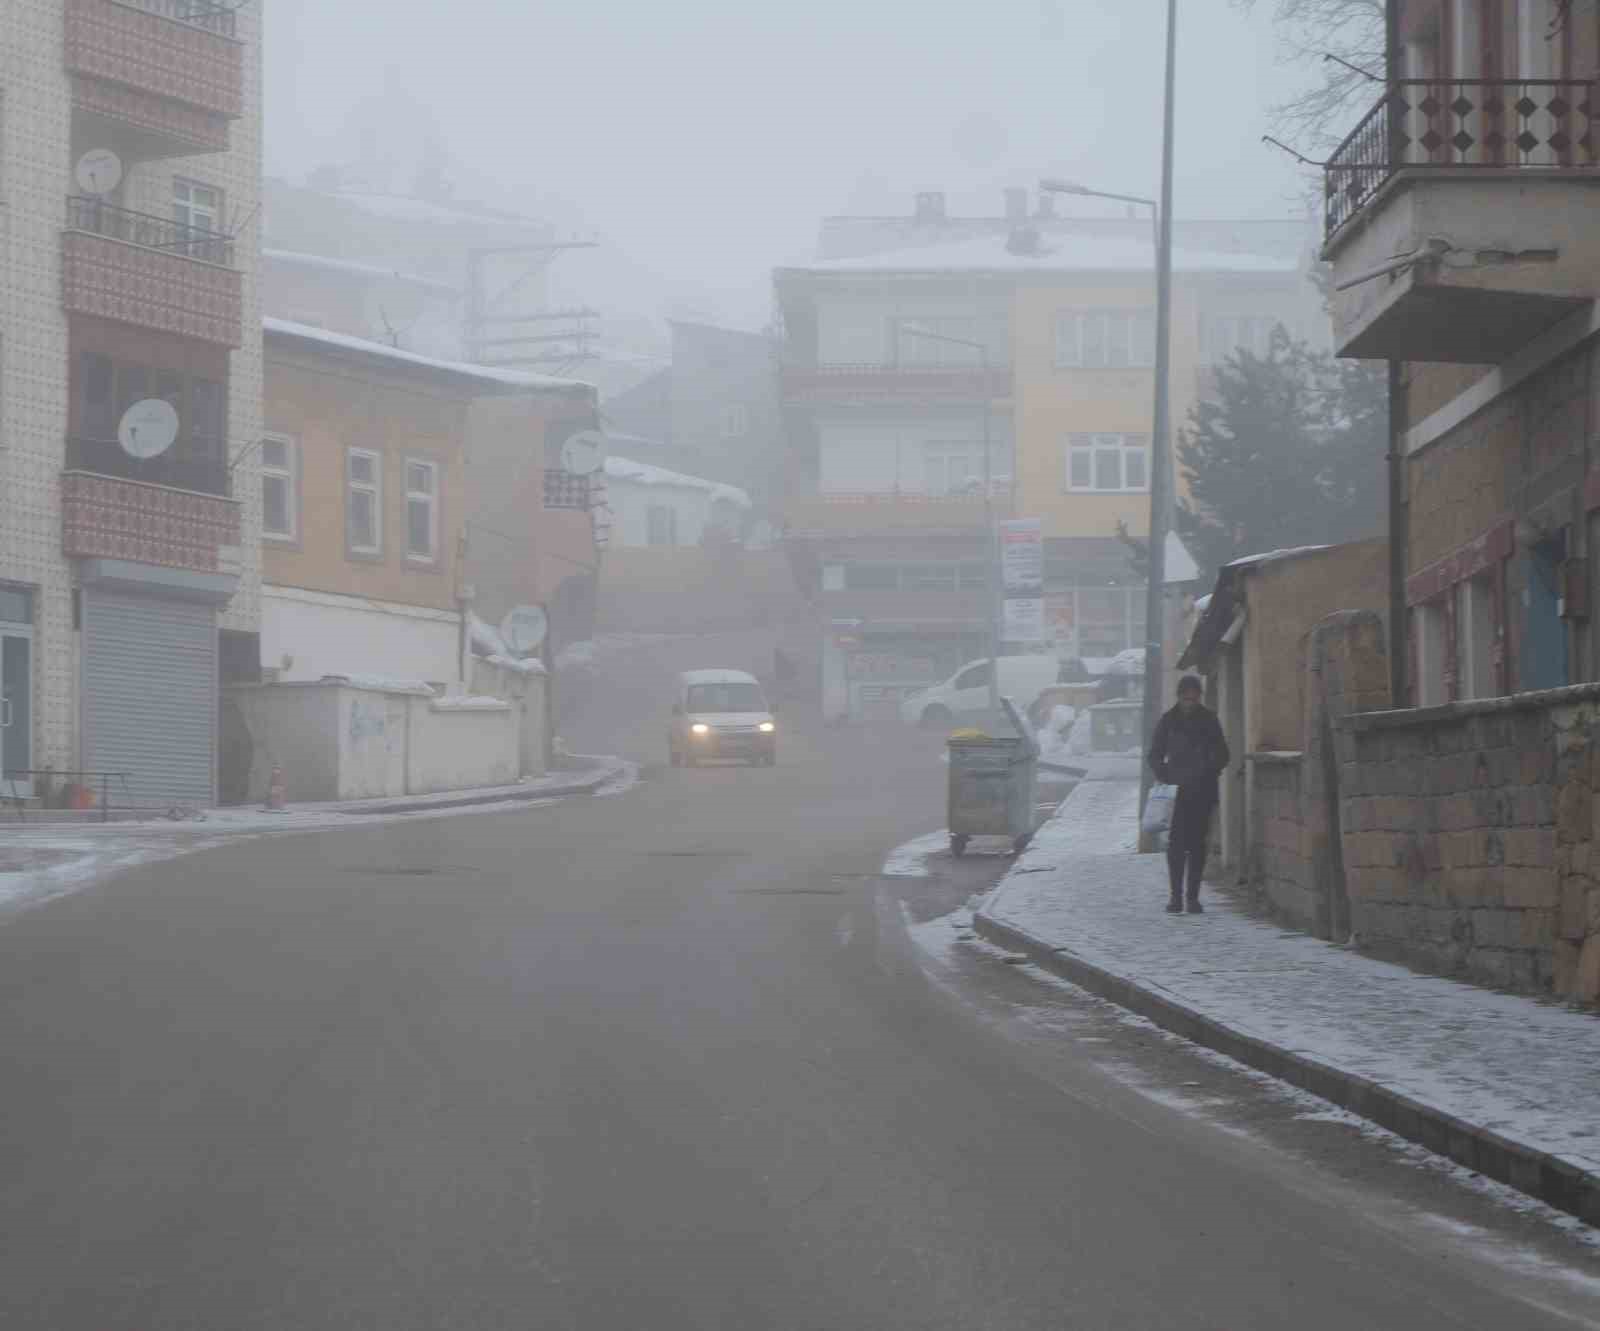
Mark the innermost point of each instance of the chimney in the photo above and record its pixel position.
(1016, 206)
(930, 206)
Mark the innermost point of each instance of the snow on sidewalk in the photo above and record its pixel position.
(1526, 1071)
(42, 860)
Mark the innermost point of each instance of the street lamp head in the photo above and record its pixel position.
(1052, 185)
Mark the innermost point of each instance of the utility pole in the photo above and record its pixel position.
(1160, 440)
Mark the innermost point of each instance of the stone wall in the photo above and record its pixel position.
(1467, 835)
(1278, 876)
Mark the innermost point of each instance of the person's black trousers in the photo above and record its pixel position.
(1188, 837)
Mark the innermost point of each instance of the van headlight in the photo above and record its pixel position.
(767, 727)
(699, 728)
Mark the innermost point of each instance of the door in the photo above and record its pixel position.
(149, 699)
(1544, 639)
(16, 710)
(970, 692)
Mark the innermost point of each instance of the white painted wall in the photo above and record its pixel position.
(327, 634)
(630, 504)
(335, 742)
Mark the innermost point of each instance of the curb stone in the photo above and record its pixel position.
(1557, 1182)
(585, 785)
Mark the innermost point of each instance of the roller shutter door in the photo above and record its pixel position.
(150, 695)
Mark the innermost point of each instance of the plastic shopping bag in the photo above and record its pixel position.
(1158, 809)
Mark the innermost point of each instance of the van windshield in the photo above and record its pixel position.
(725, 698)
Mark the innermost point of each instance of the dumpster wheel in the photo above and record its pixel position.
(958, 845)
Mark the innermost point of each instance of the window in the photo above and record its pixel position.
(103, 388)
(422, 511)
(279, 501)
(974, 677)
(1108, 463)
(196, 205)
(1428, 624)
(912, 349)
(952, 468)
(735, 421)
(661, 525)
(1105, 339)
(1476, 634)
(364, 520)
(1225, 335)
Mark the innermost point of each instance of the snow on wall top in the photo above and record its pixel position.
(645, 473)
(323, 263)
(487, 373)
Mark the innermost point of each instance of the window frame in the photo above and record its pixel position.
(1097, 445)
(190, 184)
(1124, 336)
(374, 488)
(735, 421)
(289, 474)
(432, 498)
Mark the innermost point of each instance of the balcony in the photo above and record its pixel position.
(162, 77)
(155, 518)
(150, 271)
(878, 383)
(841, 514)
(1459, 218)
(188, 465)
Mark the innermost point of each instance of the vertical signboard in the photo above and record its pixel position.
(1022, 581)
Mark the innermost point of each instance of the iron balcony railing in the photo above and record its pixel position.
(187, 465)
(1544, 124)
(85, 213)
(212, 15)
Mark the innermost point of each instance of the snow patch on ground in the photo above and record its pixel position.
(911, 859)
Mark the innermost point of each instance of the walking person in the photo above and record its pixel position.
(1188, 751)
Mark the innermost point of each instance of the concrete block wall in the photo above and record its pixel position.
(1467, 839)
(1279, 875)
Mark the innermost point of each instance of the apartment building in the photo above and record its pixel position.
(130, 388)
(1460, 227)
(1023, 353)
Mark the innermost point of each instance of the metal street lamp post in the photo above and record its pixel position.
(1161, 428)
(990, 531)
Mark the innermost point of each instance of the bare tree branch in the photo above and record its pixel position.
(1315, 120)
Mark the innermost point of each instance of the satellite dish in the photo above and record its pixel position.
(99, 171)
(523, 628)
(148, 428)
(583, 453)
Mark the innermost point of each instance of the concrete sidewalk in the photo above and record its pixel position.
(1502, 1084)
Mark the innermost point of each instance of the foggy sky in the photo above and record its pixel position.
(703, 139)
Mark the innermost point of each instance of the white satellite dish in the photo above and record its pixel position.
(99, 171)
(583, 453)
(523, 628)
(148, 428)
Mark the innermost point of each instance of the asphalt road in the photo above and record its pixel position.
(657, 1061)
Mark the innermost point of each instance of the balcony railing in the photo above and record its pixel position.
(151, 232)
(875, 380)
(187, 465)
(212, 15)
(1543, 124)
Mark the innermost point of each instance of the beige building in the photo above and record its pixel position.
(130, 387)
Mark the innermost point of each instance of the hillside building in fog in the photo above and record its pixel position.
(884, 491)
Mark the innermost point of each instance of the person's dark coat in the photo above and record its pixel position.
(1188, 749)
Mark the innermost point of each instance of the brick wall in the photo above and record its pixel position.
(1279, 876)
(1467, 834)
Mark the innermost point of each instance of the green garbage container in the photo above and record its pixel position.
(992, 781)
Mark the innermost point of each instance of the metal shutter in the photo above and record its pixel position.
(150, 695)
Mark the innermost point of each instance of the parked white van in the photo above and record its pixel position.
(1022, 679)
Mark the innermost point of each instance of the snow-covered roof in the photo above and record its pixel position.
(1276, 556)
(322, 263)
(689, 677)
(405, 208)
(486, 373)
(645, 473)
(1054, 254)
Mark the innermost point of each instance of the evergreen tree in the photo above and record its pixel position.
(1287, 452)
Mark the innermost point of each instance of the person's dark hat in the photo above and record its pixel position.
(1192, 682)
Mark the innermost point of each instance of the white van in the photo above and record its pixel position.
(1022, 679)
